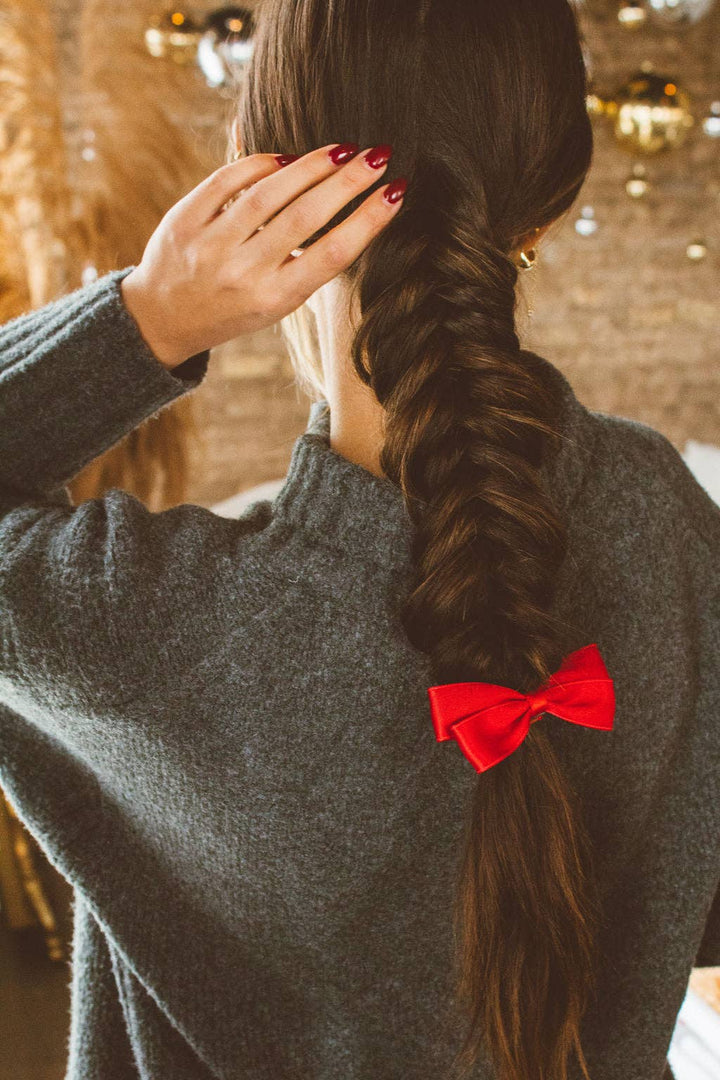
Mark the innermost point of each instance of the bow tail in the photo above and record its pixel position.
(484, 742)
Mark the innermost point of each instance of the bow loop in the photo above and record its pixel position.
(489, 721)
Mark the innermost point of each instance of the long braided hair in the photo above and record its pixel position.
(484, 102)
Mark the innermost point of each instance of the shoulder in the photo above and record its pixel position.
(635, 469)
(106, 598)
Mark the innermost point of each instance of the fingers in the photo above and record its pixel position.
(330, 189)
(327, 257)
(280, 187)
(205, 201)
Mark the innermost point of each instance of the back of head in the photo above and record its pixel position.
(484, 102)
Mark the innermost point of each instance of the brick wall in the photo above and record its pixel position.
(624, 313)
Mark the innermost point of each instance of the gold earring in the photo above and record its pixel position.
(237, 155)
(527, 259)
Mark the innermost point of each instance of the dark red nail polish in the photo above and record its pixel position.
(340, 154)
(395, 191)
(286, 159)
(379, 156)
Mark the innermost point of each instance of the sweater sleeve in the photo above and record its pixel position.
(76, 377)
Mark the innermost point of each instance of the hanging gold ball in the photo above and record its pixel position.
(696, 250)
(653, 113)
(637, 184)
(711, 123)
(226, 46)
(632, 14)
(173, 35)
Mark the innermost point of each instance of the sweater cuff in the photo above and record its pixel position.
(76, 377)
(190, 373)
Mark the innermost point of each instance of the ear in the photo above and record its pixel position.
(532, 240)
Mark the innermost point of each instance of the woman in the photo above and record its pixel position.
(291, 763)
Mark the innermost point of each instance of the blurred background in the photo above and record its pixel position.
(110, 113)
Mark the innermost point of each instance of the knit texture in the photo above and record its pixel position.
(220, 735)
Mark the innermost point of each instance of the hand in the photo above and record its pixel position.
(212, 271)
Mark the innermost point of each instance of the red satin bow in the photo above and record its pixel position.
(489, 722)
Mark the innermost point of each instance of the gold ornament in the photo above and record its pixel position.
(173, 35)
(650, 112)
(226, 46)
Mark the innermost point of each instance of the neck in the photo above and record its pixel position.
(357, 418)
(356, 428)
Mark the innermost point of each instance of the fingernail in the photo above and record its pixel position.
(340, 154)
(286, 159)
(379, 156)
(395, 191)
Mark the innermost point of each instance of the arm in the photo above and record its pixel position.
(100, 600)
(76, 377)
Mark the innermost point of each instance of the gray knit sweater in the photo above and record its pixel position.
(220, 735)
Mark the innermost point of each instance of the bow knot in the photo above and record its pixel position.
(538, 703)
(489, 721)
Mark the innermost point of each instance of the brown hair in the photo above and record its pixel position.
(485, 106)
